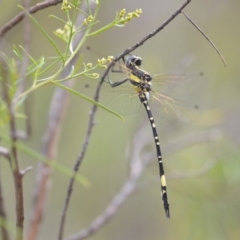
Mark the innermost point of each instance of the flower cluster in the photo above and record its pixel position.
(102, 62)
(88, 20)
(65, 5)
(124, 19)
(65, 32)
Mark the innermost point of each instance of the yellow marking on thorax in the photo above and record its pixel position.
(134, 78)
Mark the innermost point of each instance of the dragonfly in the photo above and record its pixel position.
(141, 82)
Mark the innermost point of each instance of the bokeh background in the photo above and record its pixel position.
(204, 204)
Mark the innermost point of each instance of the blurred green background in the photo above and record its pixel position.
(203, 206)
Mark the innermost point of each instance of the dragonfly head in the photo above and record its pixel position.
(133, 61)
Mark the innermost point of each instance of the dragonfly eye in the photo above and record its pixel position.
(133, 61)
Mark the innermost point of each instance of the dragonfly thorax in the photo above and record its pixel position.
(133, 63)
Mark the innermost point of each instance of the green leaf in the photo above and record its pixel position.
(88, 99)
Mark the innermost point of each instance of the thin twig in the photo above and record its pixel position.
(21, 15)
(13, 153)
(26, 170)
(201, 31)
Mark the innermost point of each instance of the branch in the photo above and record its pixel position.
(21, 15)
